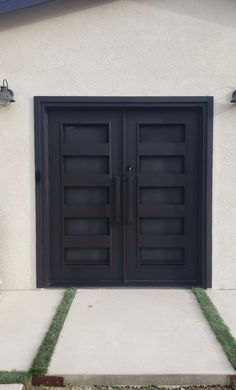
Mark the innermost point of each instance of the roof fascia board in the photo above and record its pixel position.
(13, 5)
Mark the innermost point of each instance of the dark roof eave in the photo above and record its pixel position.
(13, 5)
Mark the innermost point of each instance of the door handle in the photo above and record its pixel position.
(129, 203)
(116, 181)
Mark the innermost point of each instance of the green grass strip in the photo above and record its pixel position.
(217, 324)
(45, 351)
(14, 377)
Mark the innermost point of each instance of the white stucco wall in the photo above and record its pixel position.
(119, 47)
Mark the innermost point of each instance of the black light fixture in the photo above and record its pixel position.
(6, 94)
(233, 100)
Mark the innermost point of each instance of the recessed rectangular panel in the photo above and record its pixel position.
(164, 226)
(86, 256)
(86, 165)
(161, 133)
(161, 256)
(86, 195)
(86, 133)
(161, 195)
(79, 226)
(162, 165)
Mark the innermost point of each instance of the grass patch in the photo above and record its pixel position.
(14, 377)
(45, 351)
(217, 324)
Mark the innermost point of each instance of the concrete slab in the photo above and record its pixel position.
(11, 387)
(138, 336)
(225, 302)
(24, 320)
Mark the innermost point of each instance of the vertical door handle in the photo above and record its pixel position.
(117, 218)
(130, 195)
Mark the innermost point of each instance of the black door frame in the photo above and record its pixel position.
(44, 103)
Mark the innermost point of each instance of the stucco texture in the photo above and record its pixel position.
(119, 47)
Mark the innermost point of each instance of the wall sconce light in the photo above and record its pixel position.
(233, 100)
(6, 94)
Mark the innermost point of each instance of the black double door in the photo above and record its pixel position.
(124, 196)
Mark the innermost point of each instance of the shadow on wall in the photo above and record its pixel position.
(221, 12)
(49, 11)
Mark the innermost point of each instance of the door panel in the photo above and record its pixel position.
(85, 157)
(162, 240)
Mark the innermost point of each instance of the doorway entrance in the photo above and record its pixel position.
(123, 191)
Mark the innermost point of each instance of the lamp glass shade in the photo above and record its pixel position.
(6, 96)
(233, 99)
(4, 103)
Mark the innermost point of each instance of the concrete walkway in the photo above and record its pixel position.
(119, 336)
(138, 336)
(24, 319)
